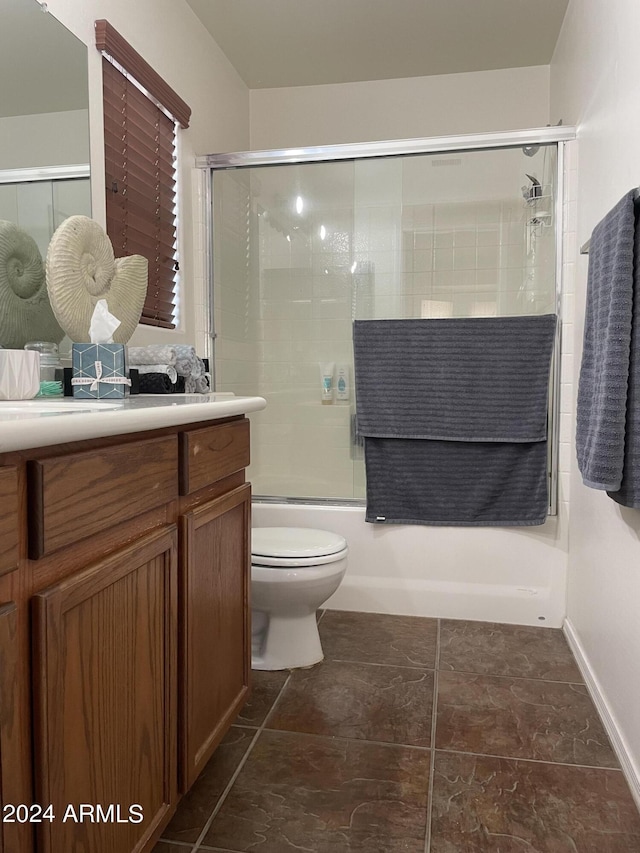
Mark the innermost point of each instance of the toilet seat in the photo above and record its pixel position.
(290, 542)
(297, 562)
(288, 547)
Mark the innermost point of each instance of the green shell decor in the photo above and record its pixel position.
(25, 310)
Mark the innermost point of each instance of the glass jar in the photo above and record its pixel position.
(49, 359)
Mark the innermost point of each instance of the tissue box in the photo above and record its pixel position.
(99, 371)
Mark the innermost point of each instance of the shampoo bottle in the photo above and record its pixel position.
(326, 375)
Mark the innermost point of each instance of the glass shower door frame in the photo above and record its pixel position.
(557, 135)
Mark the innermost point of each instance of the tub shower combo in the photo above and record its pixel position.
(306, 244)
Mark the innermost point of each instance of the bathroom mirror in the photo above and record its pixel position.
(44, 122)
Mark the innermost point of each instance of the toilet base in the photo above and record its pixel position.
(285, 642)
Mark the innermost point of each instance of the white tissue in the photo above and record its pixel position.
(103, 324)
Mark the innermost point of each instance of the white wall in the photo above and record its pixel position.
(594, 83)
(170, 37)
(400, 109)
(46, 139)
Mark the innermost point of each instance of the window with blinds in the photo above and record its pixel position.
(141, 115)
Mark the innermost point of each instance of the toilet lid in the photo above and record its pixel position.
(292, 542)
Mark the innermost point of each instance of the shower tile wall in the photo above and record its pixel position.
(385, 250)
(470, 260)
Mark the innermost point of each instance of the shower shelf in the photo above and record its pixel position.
(540, 208)
(546, 195)
(543, 218)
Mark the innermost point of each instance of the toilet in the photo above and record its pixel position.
(294, 570)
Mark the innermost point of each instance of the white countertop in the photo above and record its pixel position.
(56, 420)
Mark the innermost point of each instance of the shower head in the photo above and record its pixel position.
(530, 150)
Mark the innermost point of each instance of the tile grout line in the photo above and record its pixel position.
(514, 677)
(531, 760)
(456, 671)
(275, 703)
(393, 744)
(375, 663)
(390, 743)
(236, 773)
(241, 764)
(434, 721)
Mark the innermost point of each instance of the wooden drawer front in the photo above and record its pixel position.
(75, 496)
(8, 519)
(209, 454)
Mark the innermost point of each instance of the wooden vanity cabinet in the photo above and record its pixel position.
(124, 628)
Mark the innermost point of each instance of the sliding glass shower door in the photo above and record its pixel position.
(301, 250)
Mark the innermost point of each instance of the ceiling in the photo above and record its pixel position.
(276, 43)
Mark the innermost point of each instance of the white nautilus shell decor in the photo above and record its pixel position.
(81, 269)
(25, 312)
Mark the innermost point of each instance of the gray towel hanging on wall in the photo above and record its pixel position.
(608, 416)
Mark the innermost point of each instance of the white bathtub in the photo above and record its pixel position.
(515, 575)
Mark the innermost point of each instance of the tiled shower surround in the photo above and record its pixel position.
(429, 236)
(415, 735)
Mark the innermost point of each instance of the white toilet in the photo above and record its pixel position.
(294, 570)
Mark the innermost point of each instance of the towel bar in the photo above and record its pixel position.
(584, 249)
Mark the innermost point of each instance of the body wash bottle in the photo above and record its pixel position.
(326, 375)
(342, 383)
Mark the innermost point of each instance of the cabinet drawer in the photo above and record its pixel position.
(75, 496)
(209, 454)
(8, 519)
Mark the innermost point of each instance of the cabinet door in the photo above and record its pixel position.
(13, 836)
(215, 625)
(8, 519)
(105, 700)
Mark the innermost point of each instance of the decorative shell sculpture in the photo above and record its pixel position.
(81, 269)
(25, 312)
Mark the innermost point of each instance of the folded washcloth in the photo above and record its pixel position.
(197, 382)
(186, 359)
(156, 383)
(202, 385)
(179, 363)
(152, 354)
(170, 371)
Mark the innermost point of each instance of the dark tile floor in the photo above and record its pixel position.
(420, 736)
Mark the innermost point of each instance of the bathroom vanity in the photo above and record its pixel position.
(124, 623)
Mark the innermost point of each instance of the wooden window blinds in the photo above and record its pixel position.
(140, 116)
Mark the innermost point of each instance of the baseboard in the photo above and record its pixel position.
(618, 742)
